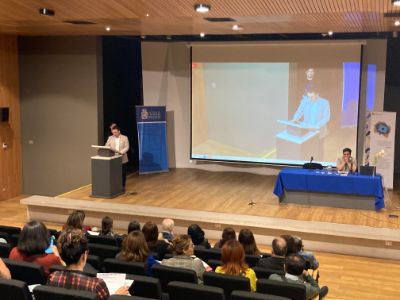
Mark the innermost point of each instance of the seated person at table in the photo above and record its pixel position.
(295, 273)
(73, 247)
(346, 163)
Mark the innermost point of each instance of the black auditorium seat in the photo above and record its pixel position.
(184, 290)
(167, 274)
(206, 254)
(228, 283)
(284, 289)
(10, 230)
(213, 263)
(5, 250)
(25, 271)
(103, 251)
(102, 240)
(113, 265)
(242, 295)
(11, 289)
(44, 292)
(265, 273)
(252, 260)
(144, 286)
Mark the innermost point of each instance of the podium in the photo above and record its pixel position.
(106, 173)
(297, 141)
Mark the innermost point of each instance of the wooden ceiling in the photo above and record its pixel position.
(177, 17)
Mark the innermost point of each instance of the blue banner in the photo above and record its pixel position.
(152, 135)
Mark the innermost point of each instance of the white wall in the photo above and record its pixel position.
(166, 81)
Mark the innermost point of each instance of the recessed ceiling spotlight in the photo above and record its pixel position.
(107, 28)
(202, 8)
(330, 32)
(396, 2)
(147, 15)
(47, 12)
(202, 34)
(397, 23)
(237, 27)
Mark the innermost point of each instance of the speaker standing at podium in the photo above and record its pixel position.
(120, 145)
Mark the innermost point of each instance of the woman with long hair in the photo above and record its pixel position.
(134, 248)
(197, 235)
(107, 227)
(246, 238)
(161, 247)
(227, 234)
(233, 263)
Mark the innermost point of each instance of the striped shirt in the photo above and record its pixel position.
(77, 280)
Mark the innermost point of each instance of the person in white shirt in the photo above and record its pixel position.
(120, 145)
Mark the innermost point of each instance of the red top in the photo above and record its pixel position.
(45, 260)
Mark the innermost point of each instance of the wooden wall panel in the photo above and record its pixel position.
(10, 133)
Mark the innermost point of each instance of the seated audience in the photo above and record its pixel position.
(290, 244)
(277, 259)
(73, 247)
(4, 271)
(182, 249)
(107, 227)
(134, 248)
(233, 262)
(150, 232)
(76, 220)
(295, 273)
(197, 235)
(311, 261)
(33, 242)
(228, 234)
(167, 227)
(133, 226)
(246, 238)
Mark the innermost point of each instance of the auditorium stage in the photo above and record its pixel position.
(219, 199)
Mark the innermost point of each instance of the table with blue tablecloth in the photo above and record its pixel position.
(329, 188)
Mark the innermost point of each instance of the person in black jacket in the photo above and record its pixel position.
(277, 260)
(197, 235)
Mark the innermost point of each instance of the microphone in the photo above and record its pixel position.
(311, 160)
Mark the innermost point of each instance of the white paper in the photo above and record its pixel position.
(114, 281)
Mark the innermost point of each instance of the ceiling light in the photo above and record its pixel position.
(396, 2)
(237, 27)
(107, 28)
(202, 34)
(397, 23)
(47, 12)
(330, 32)
(147, 15)
(202, 8)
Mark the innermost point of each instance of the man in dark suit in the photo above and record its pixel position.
(277, 260)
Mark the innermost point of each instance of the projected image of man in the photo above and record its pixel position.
(313, 111)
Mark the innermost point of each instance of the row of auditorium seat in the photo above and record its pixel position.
(158, 285)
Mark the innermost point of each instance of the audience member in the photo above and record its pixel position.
(295, 273)
(73, 247)
(233, 262)
(311, 261)
(182, 249)
(4, 271)
(32, 244)
(246, 238)
(167, 227)
(150, 232)
(290, 244)
(197, 235)
(76, 220)
(134, 248)
(228, 234)
(133, 226)
(277, 259)
(107, 227)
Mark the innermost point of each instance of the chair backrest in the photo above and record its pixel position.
(103, 251)
(55, 293)
(206, 254)
(5, 236)
(184, 290)
(228, 283)
(102, 240)
(11, 289)
(28, 272)
(94, 261)
(242, 295)
(213, 263)
(123, 297)
(280, 288)
(113, 265)
(144, 286)
(252, 260)
(265, 272)
(10, 229)
(167, 274)
(5, 250)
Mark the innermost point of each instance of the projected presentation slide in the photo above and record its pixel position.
(274, 112)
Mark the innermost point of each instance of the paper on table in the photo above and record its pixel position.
(114, 281)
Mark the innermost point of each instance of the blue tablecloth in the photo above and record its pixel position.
(322, 182)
